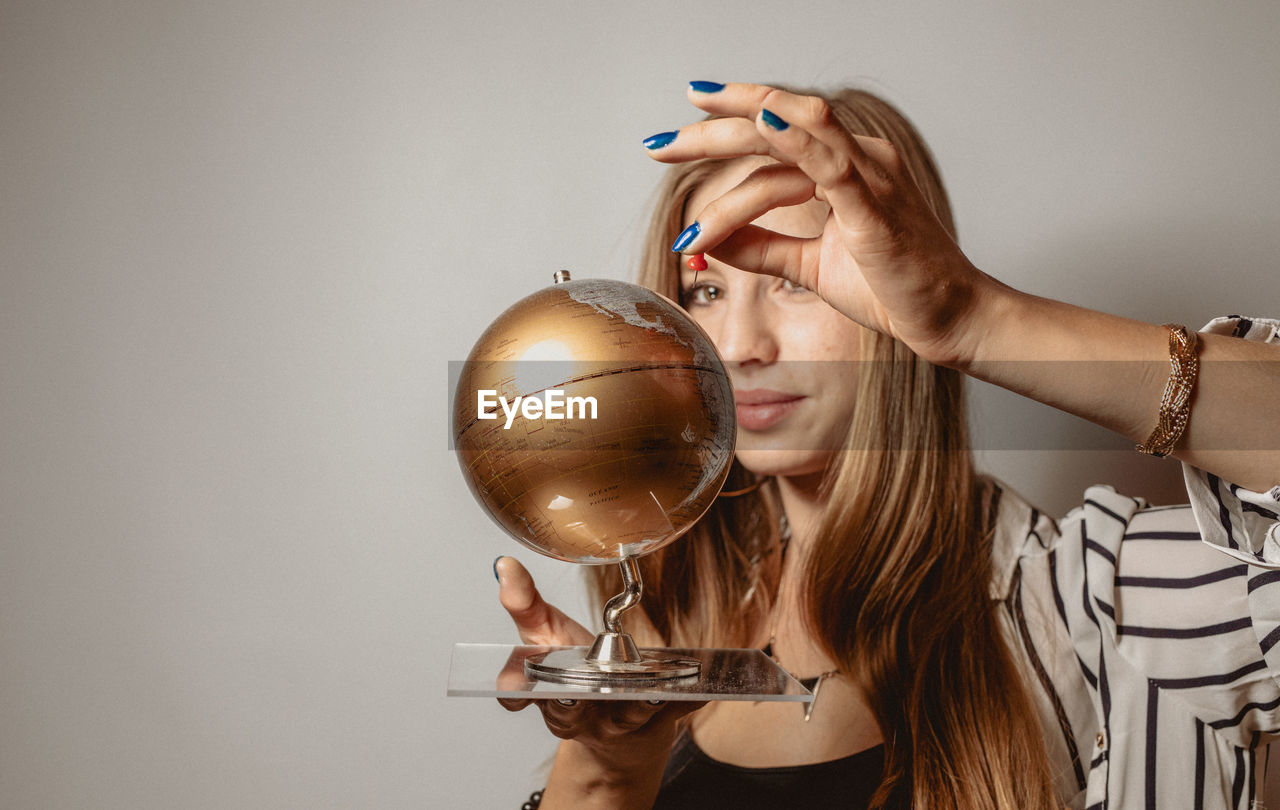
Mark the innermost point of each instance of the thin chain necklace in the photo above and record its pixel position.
(813, 684)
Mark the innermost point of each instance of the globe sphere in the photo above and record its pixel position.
(594, 421)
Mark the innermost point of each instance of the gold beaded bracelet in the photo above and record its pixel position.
(1175, 406)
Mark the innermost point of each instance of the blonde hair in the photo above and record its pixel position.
(897, 582)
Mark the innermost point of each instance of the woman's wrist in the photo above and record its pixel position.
(980, 324)
(585, 777)
(1104, 368)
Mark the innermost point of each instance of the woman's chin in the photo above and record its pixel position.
(783, 463)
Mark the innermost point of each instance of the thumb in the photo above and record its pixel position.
(520, 596)
(536, 620)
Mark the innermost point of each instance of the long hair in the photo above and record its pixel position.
(896, 584)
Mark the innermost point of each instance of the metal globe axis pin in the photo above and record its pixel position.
(614, 658)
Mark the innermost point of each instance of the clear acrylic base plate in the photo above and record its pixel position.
(497, 670)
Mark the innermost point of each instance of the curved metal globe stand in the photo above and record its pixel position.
(614, 658)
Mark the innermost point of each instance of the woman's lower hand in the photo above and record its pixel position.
(618, 736)
(883, 259)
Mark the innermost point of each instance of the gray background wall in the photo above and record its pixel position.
(239, 243)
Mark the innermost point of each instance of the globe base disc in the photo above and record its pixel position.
(573, 666)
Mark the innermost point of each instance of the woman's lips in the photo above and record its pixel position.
(761, 409)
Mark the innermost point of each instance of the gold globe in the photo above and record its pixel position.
(623, 431)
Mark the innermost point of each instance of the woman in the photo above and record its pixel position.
(969, 652)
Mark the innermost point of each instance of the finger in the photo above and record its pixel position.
(768, 187)
(873, 157)
(668, 713)
(760, 250)
(719, 138)
(567, 721)
(517, 593)
(815, 117)
(739, 99)
(839, 180)
(512, 678)
(629, 715)
(811, 113)
(537, 621)
(733, 135)
(514, 704)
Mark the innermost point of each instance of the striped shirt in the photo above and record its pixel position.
(1150, 636)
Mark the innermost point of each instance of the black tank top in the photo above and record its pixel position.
(695, 781)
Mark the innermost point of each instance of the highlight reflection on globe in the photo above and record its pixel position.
(629, 434)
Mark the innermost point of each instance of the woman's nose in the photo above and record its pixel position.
(746, 334)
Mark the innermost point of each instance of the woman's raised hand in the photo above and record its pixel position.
(883, 258)
(621, 737)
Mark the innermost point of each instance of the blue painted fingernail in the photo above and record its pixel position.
(686, 236)
(495, 567)
(706, 87)
(773, 120)
(660, 140)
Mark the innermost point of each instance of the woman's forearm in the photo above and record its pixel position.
(1113, 370)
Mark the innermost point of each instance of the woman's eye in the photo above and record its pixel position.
(792, 287)
(702, 294)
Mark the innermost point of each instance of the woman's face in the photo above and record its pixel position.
(788, 352)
